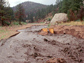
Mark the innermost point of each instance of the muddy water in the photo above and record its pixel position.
(30, 47)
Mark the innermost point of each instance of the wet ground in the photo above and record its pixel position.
(30, 47)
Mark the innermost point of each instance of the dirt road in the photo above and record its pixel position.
(30, 47)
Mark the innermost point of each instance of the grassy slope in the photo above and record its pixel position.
(73, 23)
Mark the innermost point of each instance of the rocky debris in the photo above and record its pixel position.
(74, 52)
(47, 22)
(77, 31)
(2, 42)
(56, 60)
(43, 33)
(59, 17)
(30, 47)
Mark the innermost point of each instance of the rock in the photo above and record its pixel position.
(47, 22)
(58, 18)
(43, 33)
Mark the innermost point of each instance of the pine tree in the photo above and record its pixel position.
(5, 13)
(65, 6)
(20, 14)
(2, 12)
(75, 4)
(9, 14)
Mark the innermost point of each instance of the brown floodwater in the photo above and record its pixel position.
(30, 47)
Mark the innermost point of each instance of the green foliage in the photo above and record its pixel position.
(65, 5)
(40, 14)
(24, 23)
(1, 31)
(5, 13)
(20, 14)
(81, 13)
(49, 19)
(6, 22)
(16, 23)
(3, 36)
(42, 22)
(3, 17)
(78, 20)
(0, 26)
(74, 5)
(48, 25)
(68, 14)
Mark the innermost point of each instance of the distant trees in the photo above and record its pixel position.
(71, 7)
(9, 14)
(2, 11)
(40, 14)
(30, 17)
(74, 5)
(20, 13)
(65, 6)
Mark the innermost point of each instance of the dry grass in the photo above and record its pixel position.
(7, 31)
(73, 23)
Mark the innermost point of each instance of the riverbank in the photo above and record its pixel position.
(7, 31)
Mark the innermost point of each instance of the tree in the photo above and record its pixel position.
(20, 14)
(72, 15)
(65, 6)
(5, 13)
(2, 12)
(75, 4)
(74, 7)
(70, 7)
(9, 14)
(81, 13)
(58, 2)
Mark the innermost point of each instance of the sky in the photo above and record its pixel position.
(46, 2)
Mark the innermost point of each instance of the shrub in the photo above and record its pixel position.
(81, 14)
(16, 23)
(48, 25)
(49, 19)
(24, 23)
(71, 15)
(6, 22)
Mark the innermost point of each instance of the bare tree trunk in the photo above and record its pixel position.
(81, 18)
(2, 22)
(20, 22)
(10, 22)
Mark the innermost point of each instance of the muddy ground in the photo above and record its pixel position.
(30, 47)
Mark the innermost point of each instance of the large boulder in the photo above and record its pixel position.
(59, 17)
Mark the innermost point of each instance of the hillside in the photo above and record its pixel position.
(30, 6)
